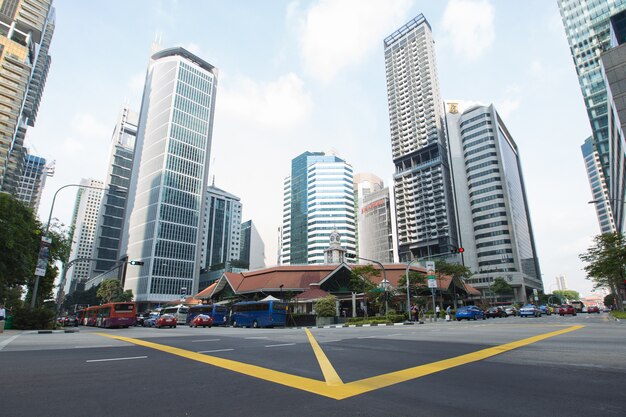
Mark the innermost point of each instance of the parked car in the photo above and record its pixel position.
(529, 310)
(494, 312)
(593, 309)
(165, 320)
(203, 320)
(545, 310)
(141, 318)
(150, 321)
(567, 309)
(469, 313)
(68, 321)
(510, 310)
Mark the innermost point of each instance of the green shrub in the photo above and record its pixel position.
(619, 314)
(37, 319)
(326, 307)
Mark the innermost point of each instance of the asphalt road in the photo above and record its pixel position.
(549, 366)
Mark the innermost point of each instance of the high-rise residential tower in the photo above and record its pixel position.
(318, 199)
(26, 29)
(83, 230)
(113, 208)
(599, 189)
(33, 179)
(167, 192)
(588, 33)
(423, 190)
(494, 219)
(375, 226)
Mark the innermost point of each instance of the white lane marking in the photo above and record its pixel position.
(94, 346)
(117, 359)
(395, 334)
(257, 337)
(216, 350)
(329, 341)
(367, 337)
(206, 340)
(9, 340)
(282, 344)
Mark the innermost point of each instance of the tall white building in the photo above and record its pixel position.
(561, 284)
(494, 219)
(252, 246)
(423, 191)
(167, 193)
(318, 199)
(83, 230)
(222, 227)
(599, 187)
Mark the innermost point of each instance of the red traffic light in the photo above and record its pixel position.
(461, 250)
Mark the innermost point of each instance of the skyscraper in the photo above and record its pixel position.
(588, 34)
(167, 193)
(222, 227)
(117, 180)
(375, 220)
(318, 198)
(423, 190)
(599, 189)
(252, 246)
(83, 230)
(26, 29)
(32, 180)
(490, 194)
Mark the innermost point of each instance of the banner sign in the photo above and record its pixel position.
(432, 283)
(44, 253)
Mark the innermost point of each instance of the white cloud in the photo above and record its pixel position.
(506, 107)
(283, 103)
(72, 146)
(336, 34)
(469, 27)
(86, 125)
(536, 67)
(136, 83)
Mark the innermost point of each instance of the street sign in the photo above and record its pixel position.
(432, 283)
(430, 270)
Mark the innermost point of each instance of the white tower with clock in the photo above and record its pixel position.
(335, 254)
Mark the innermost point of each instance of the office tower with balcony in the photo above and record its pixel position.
(495, 228)
(587, 27)
(83, 231)
(318, 198)
(166, 199)
(32, 180)
(117, 180)
(221, 243)
(26, 29)
(599, 190)
(252, 247)
(423, 190)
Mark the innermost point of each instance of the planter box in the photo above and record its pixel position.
(324, 321)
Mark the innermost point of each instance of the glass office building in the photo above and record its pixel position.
(318, 198)
(167, 193)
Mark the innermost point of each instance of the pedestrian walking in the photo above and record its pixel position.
(437, 312)
(448, 313)
(3, 314)
(414, 312)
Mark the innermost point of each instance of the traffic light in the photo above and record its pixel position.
(458, 250)
(461, 250)
(136, 263)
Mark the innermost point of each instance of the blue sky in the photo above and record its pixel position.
(309, 75)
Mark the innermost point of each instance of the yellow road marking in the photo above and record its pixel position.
(340, 390)
(330, 375)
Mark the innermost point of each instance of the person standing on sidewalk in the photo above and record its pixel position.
(437, 312)
(3, 314)
(448, 311)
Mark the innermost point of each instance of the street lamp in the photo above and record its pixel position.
(281, 291)
(36, 286)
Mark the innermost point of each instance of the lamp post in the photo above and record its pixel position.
(36, 286)
(281, 292)
(384, 282)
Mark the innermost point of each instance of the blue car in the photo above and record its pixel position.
(469, 313)
(545, 310)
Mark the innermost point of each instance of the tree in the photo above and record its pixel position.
(606, 260)
(19, 247)
(417, 282)
(326, 307)
(111, 291)
(458, 273)
(569, 294)
(609, 300)
(501, 287)
(87, 297)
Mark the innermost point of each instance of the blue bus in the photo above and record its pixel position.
(218, 312)
(258, 314)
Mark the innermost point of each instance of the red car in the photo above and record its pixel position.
(165, 320)
(567, 309)
(203, 320)
(593, 309)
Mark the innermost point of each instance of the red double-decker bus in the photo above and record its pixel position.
(111, 315)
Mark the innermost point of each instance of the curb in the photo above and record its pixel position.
(341, 326)
(57, 331)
